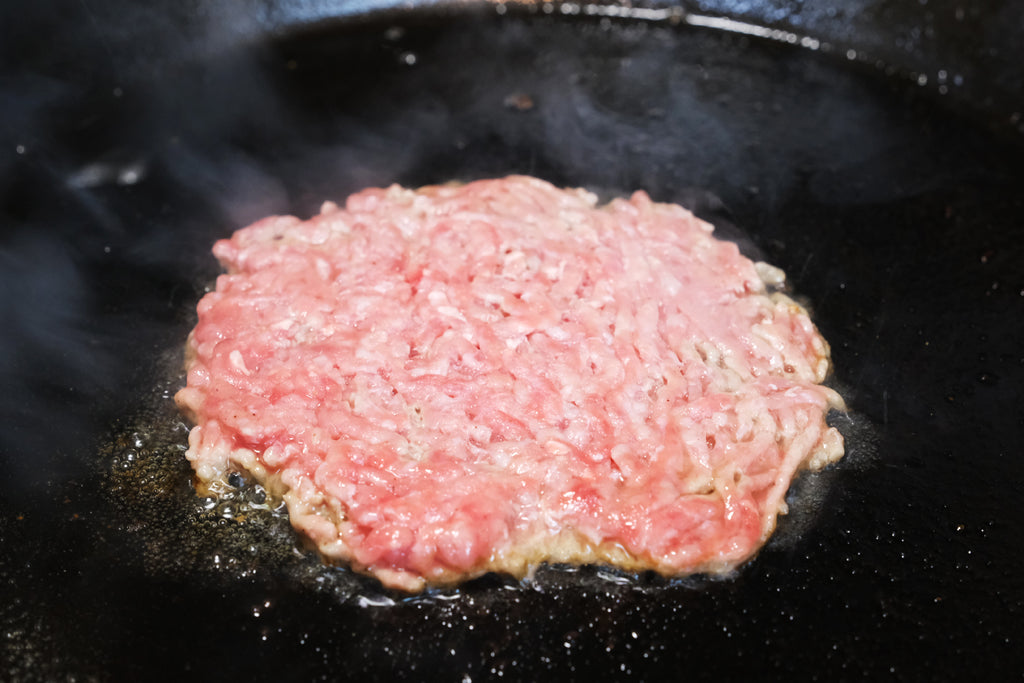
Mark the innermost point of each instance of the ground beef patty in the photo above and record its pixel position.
(478, 377)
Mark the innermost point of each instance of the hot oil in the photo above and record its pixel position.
(233, 532)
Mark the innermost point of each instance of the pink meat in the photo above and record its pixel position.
(482, 377)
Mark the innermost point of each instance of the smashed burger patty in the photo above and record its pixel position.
(483, 377)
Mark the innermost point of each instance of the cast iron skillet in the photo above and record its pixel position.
(895, 209)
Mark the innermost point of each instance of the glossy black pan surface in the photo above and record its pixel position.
(898, 218)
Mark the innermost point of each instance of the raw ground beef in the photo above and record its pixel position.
(479, 377)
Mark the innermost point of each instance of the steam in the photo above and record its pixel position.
(49, 359)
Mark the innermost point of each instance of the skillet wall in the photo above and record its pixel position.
(969, 51)
(137, 141)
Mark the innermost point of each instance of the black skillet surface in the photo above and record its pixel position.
(897, 219)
